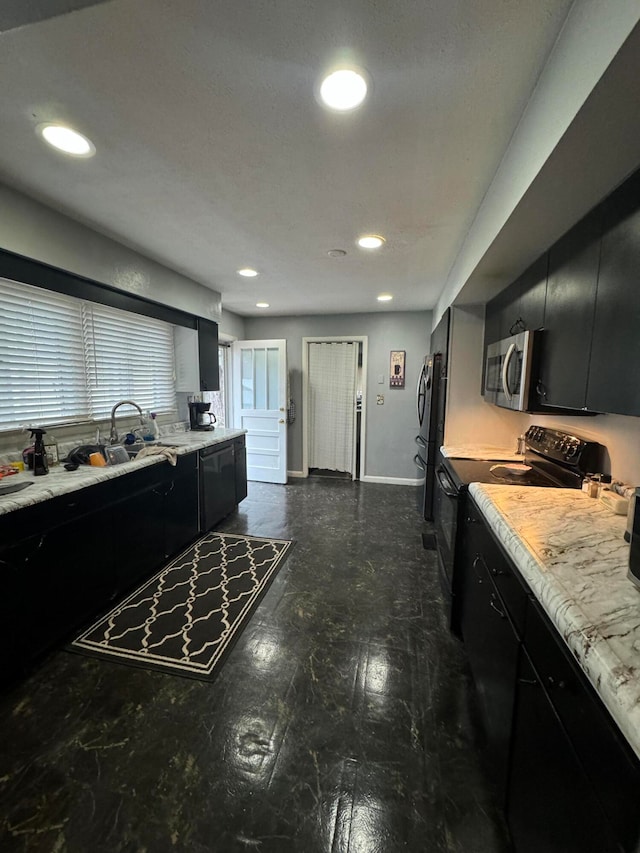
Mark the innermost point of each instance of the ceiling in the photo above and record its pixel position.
(213, 154)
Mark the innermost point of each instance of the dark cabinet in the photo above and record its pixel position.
(138, 532)
(570, 304)
(605, 758)
(240, 462)
(519, 307)
(614, 375)
(492, 642)
(58, 568)
(208, 355)
(573, 782)
(551, 805)
(180, 510)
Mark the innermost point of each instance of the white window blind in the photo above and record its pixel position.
(129, 357)
(65, 360)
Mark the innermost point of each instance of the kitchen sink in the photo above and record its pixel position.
(136, 447)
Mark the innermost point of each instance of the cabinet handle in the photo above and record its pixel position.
(532, 682)
(171, 487)
(37, 548)
(498, 572)
(551, 681)
(494, 606)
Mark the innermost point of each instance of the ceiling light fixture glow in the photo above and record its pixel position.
(385, 297)
(371, 241)
(67, 140)
(344, 89)
(247, 272)
(262, 304)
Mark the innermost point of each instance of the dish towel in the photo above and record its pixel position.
(169, 453)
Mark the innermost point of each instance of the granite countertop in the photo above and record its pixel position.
(60, 482)
(481, 451)
(571, 552)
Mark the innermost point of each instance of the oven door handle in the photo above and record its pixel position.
(446, 484)
(505, 371)
(419, 462)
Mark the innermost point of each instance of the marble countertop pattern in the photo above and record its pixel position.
(60, 482)
(481, 451)
(571, 552)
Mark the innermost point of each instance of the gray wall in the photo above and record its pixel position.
(35, 231)
(231, 326)
(391, 428)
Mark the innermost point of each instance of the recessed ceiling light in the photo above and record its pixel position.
(336, 253)
(262, 304)
(247, 272)
(67, 140)
(385, 297)
(371, 241)
(344, 89)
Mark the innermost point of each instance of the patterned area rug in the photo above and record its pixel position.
(185, 618)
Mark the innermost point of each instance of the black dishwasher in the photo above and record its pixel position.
(217, 484)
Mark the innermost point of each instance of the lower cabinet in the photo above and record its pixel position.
(569, 779)
(67, 559)
(492, 647)
(551, 804)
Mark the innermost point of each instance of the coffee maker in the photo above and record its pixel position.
(200, 418)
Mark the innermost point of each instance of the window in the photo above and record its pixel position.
(63, 360)
(218, 398)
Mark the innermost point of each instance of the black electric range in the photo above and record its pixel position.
(552, 459)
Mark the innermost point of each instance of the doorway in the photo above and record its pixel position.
(334, 405)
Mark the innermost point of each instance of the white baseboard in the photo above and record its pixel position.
(392, 481)
(296, 474)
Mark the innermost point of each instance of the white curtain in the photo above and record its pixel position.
(332, 401)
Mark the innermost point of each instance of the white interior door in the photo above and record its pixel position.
(259, 406)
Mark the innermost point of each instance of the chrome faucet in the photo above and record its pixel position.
(113, 435)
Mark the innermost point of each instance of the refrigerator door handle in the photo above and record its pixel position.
(421, 394)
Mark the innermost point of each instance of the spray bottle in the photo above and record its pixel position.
(40, 464)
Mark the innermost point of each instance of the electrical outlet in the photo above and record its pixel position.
(380, 399)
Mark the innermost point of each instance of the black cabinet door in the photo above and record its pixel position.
(551, 806)
(492, 648)
(570, 303)
(180, 510)
(533, 294)
(217, 484)
(138, 527)
(208, 355)
(240, 459)
(614, 374)
(608, 762)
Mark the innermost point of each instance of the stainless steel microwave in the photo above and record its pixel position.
(508, 368)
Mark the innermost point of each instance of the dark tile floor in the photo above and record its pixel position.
(340, 723)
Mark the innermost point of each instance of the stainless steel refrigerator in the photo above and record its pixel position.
(430, 404)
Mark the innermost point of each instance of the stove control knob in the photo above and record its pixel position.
(572, 450)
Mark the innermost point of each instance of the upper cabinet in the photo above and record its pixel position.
(614, 375)
(568, 323)
(208, 355)
(520, 307)
(588, 306)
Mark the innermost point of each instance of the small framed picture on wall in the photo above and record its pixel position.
(396, 378)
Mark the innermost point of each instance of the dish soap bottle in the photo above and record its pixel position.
(40, 464)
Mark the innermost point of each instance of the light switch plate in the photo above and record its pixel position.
(381, 379)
